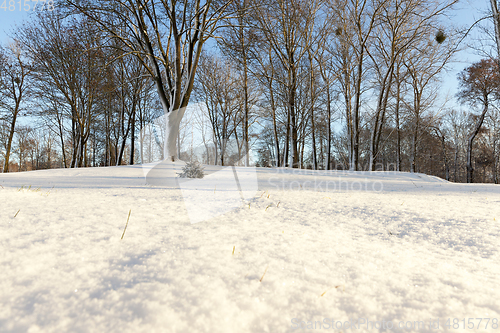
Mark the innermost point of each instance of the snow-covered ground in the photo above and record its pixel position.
(387, 248)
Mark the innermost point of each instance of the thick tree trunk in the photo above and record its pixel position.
(81, 154)
(123, 143)
(172, 123)
(122, 149)
(470, 170)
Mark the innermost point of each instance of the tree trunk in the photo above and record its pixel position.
(496, 24)
(414, 146)
(313, 101)
(293, 120)
(172, 122)
(11, 137)
(132, 139)
(470, 168)
(286, 160)
(329, 128)
(275, 127)
(398, 131)
(355, 159)
(379, 117)
(445, 159)
(495, 159)
(416, 104)
(246, 111)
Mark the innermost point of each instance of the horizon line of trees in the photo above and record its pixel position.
(322, 84)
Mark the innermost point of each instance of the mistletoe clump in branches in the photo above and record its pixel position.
(440, 37)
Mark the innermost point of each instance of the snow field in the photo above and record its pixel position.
(419, 249)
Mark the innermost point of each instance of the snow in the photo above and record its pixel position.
(379, 246)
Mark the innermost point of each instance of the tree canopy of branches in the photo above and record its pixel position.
(167, 38)
(323, 84)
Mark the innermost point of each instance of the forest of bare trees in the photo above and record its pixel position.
(317, 84)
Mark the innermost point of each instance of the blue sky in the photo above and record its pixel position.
(467, 12)
(9, 19)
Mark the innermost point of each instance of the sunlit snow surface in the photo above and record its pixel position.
(381, 246)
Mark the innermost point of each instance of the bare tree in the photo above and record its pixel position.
(238, 41)
(223, 98)
(69, 76)
(282, 23)
(424, 63)
(167, 38)
(329, 73)
(478, 83)
(316, 31)
(15, 72)
(265, 73)
(357, 20)
(402, 25)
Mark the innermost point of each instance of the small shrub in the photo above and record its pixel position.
(192, 170)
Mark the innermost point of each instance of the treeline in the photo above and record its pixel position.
(322, 84)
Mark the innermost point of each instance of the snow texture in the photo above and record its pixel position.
(310, 245)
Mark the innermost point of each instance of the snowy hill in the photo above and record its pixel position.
(307, 248)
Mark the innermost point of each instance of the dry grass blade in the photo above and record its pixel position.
(17, 213)
(336, 287)
(233, 250)
(264, 274)
(130, 211)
